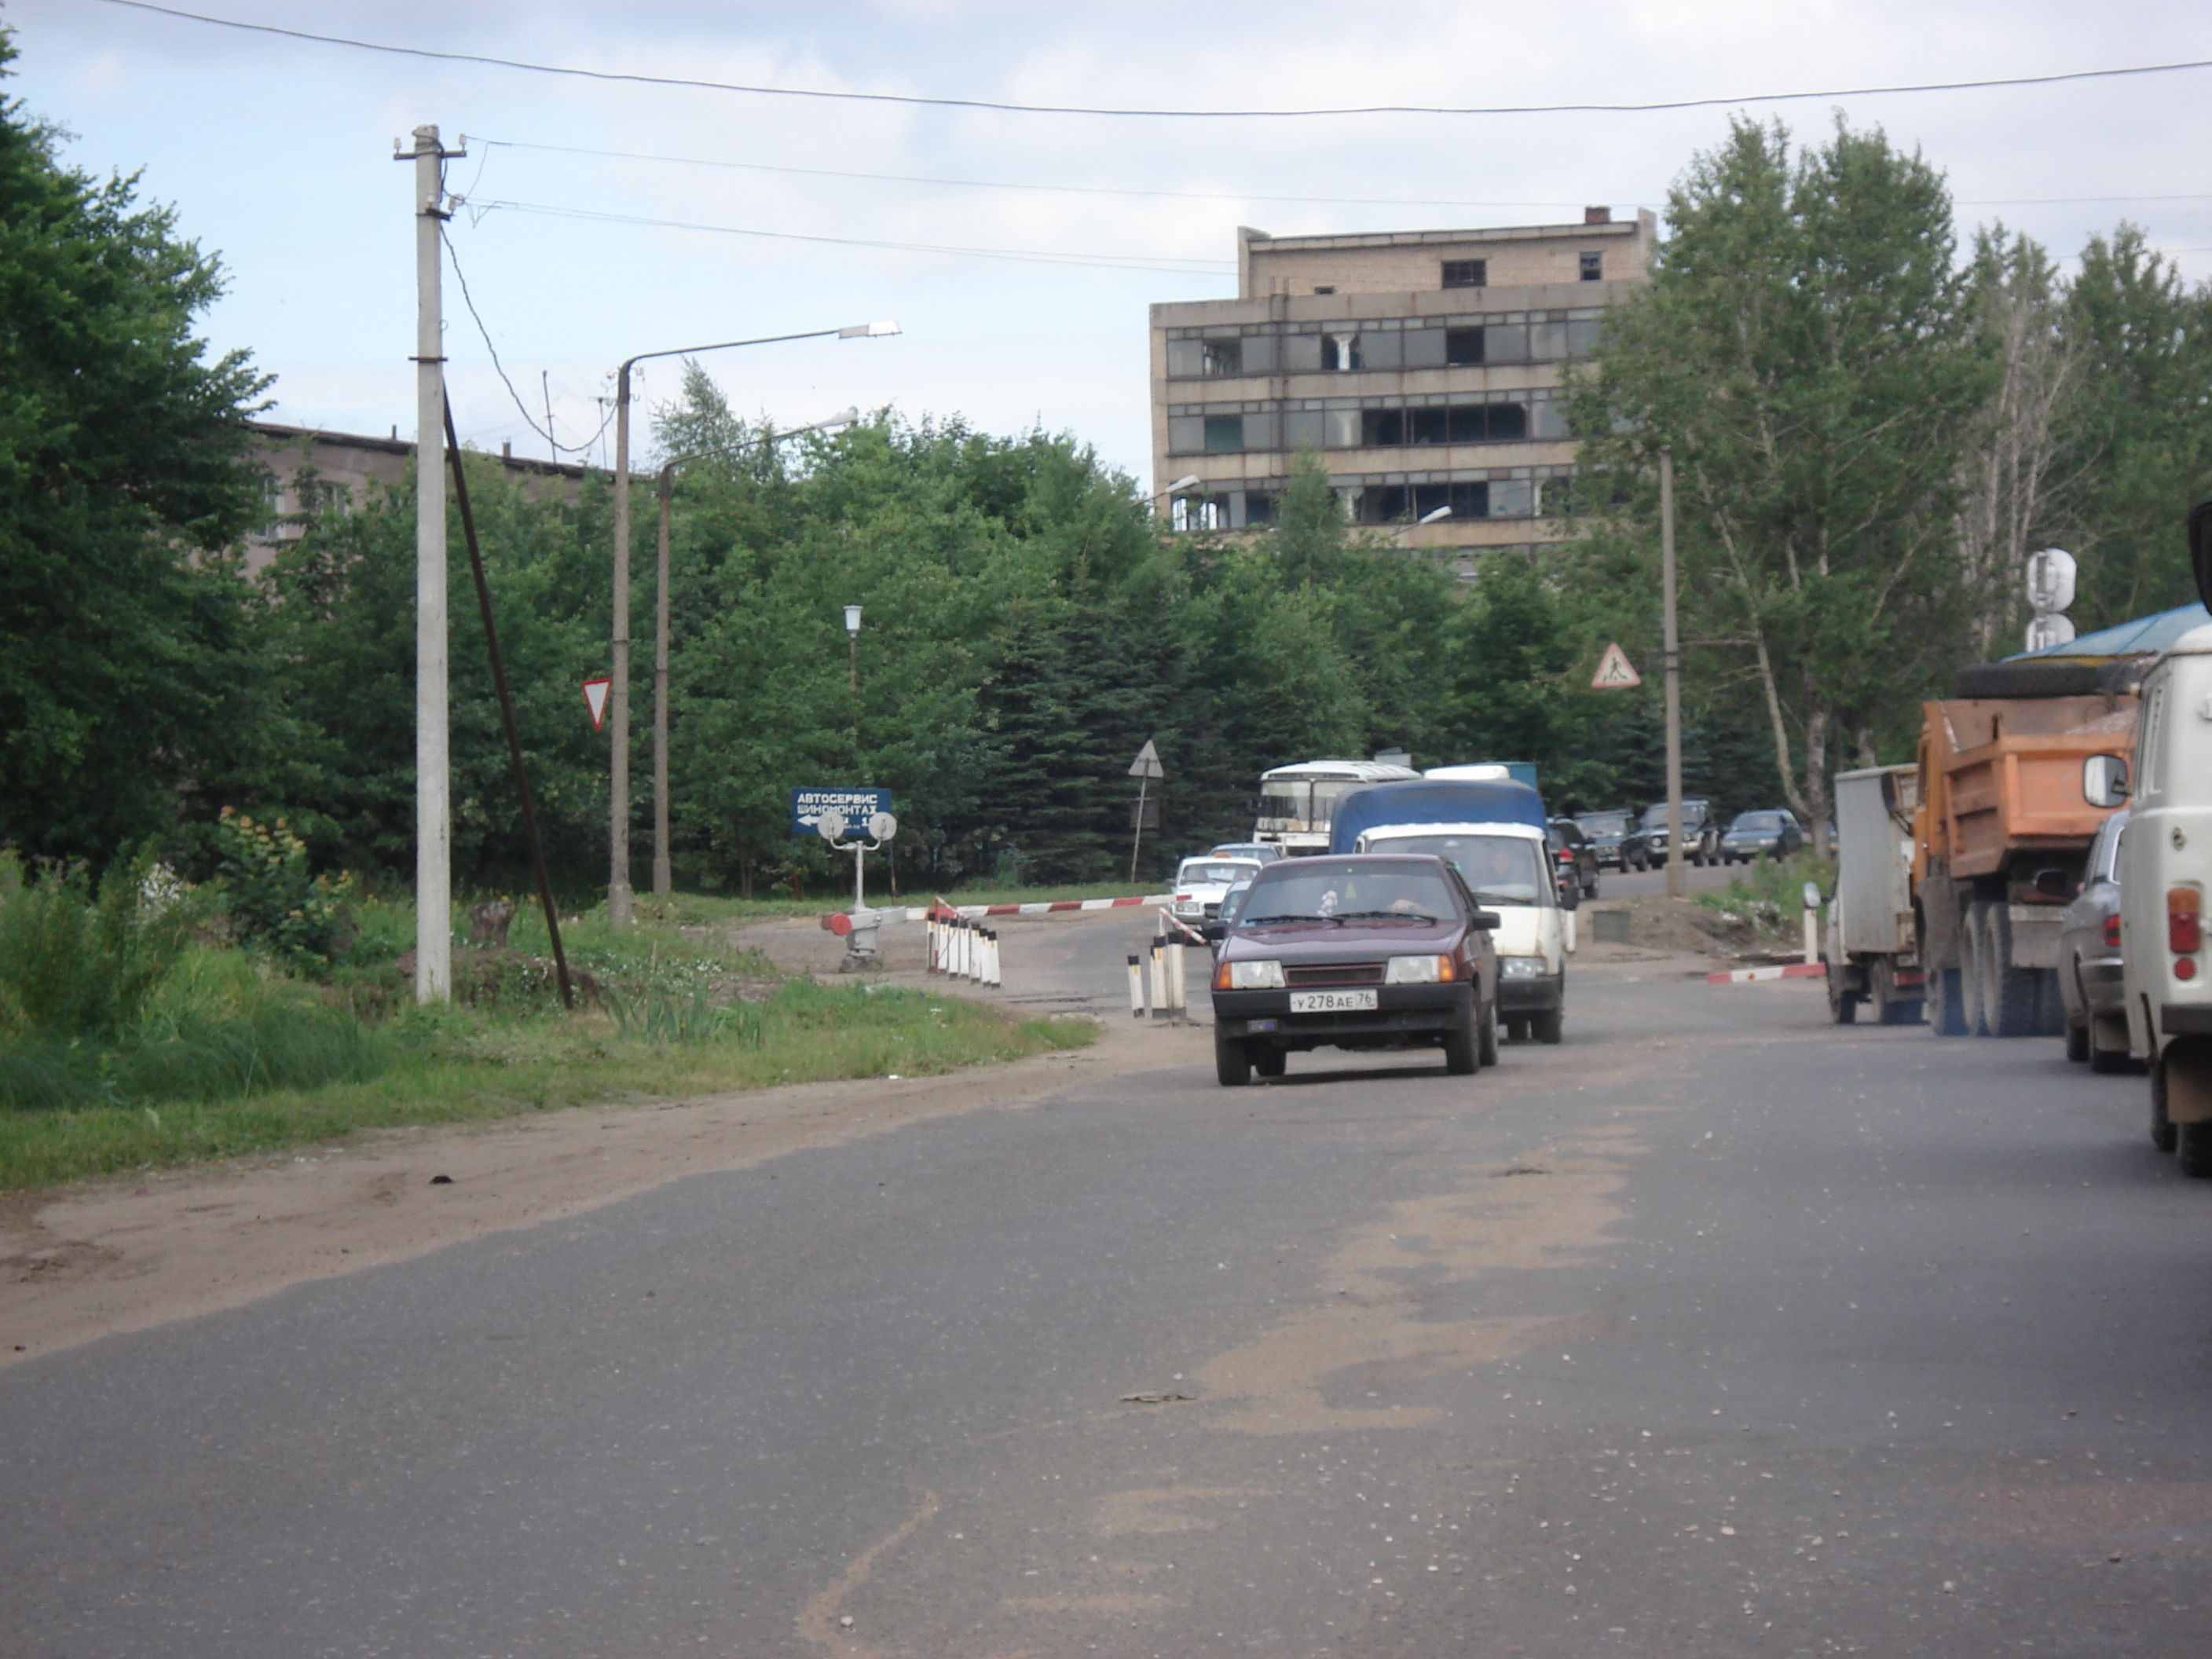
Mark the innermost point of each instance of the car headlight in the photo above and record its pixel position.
(1263, 975)
(1418, 970)
(1521, 966)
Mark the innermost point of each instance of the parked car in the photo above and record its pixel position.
(1359, 953)
(1201, 883)
(1214, 927)
(1264, 852)
(2089, 968)
(1617, 840)
(1701, 832)
(1771, 834)
(1575, 859)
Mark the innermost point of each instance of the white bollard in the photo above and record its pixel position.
(991, 958)
(1159, 974)
(1178, 987)
(1812, 936)
(1136, 987)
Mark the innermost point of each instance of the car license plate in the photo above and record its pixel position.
(1333, 1002)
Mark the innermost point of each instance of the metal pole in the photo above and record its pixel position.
(662, 884)
(1137, 840)
(507, 716)
(618, 892)
(1676, 851)
(855, 639)
(434, 808)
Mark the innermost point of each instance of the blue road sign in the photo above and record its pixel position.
(857, 806)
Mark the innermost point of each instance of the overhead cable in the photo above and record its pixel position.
(469, 299)
(917, 99)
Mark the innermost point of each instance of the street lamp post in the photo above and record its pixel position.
(663, 879)
(853, 634)
(619, 890)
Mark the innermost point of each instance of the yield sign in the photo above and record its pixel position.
(1147, 763)
(595, 698)
(1614, 671)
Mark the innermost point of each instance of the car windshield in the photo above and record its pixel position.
(1501, 869)
(1611, 823)
(1654, 817)
(1757, 821)
(1345, 893)
(1205, 873)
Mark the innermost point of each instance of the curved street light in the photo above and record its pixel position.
(618, 889)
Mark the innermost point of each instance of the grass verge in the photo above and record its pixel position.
(1770, 893)
(459, 1067)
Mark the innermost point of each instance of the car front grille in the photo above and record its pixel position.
(1336, 973)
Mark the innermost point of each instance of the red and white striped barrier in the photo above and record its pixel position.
(923, 913)
(1790, 970)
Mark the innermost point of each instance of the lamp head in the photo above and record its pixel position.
(852, 620)
(867, 330)
(1190, 480)
(1441, 513)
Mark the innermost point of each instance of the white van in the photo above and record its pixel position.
(1508, 866)
(2165, 870)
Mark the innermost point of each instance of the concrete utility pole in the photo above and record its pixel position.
(433, 807)
(1675, 852)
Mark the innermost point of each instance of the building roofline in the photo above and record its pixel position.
(1260, 242)
(406, 446)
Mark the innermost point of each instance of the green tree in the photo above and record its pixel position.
(1809, 347)
(123, 644)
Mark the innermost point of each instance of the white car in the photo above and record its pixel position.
(1266, 852)
(1200, 884)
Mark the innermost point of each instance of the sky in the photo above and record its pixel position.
(276, 153)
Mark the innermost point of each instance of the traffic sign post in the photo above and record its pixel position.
(595, 699)
(1614, 672)
(1144, 768)
(864, 814)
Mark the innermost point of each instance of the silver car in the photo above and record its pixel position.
(2089, 959)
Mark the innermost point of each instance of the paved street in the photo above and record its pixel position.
(1715, 1330)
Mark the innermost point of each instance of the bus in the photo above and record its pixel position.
(1298, 803)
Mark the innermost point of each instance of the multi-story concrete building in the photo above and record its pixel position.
(1424, 367)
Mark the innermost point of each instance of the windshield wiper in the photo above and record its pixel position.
(1263, 921)
(1385, 915)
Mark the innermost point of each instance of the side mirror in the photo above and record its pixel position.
(1485, 920)
(2054, 884)
(2104, 781)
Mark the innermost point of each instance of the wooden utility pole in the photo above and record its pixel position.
(1676, 851)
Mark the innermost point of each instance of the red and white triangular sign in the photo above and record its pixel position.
(595, 698)
(1614, 671)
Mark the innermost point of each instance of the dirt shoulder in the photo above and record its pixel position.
(109, 1257)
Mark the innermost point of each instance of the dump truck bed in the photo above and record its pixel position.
(2003, 776)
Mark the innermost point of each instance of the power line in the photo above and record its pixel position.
(469, 299)
(915, 99)
(1130, 262)
(1001, 184)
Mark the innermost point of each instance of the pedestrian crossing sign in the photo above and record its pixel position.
(1614, 671)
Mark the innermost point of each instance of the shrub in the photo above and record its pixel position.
(74, 966)
(263, 869)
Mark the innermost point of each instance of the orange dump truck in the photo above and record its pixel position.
(2000, 835)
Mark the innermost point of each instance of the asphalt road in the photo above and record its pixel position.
(1715, 1330)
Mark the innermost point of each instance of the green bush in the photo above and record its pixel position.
(76, 966)
(263, 870)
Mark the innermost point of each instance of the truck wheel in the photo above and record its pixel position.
(1948, 1016)
(2012, 997)
(1268, 1060)
(1485, 1035)
(2077, 1042)
(1842, 1006)
(2162, 1135)
(2192, 1149)
(1233, 1062)
(1974, 979)
(1545, 1027)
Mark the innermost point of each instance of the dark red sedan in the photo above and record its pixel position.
(1355, 953)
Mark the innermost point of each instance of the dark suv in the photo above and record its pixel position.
(1574, 859)
(1617, 838)
(1365, 952)
(1701, 832)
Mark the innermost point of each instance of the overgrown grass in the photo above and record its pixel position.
(1770, 893)
(456, 1065)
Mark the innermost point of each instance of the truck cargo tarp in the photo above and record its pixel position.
(1432, 800)
(2140, 638)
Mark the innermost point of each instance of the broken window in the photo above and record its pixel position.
(1193, 513)
(1460, 423)
(1381, 428)
(1329, 289)
(1259, 507)
(1403, 504)
(1593, 267)
(1464, 348)
(1225, 434)
(1467, 273)
(1340, 352)
(1223, 357)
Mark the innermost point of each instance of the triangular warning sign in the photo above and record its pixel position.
(595, 699)
(1614, 671)
(1147, 763)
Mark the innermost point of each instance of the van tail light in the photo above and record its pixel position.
(2185, 927)
(2112, 931)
